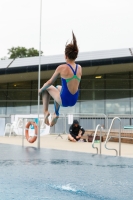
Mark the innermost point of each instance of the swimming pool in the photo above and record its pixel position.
(31, 174)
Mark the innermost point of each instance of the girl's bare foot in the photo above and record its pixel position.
(54, 119)
(46, 120)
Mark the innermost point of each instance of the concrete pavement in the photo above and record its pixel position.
(56, 142)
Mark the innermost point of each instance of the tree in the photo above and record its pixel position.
(22, 52)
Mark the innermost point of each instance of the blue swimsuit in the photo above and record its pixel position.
(67, 98)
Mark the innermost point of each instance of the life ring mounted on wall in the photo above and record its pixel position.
(31, 139)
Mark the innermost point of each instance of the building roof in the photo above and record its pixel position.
(5, 63)
(96, 62)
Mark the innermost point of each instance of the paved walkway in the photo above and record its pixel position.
(54, 142)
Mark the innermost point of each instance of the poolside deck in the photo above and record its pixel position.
(56, 142)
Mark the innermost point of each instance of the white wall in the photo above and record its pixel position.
(2, 126)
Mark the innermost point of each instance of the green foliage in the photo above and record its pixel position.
(22, 52)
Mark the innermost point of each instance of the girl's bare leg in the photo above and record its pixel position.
(55, 93)
(46, 99)
(54, 119)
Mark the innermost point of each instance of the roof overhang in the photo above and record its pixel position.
(95, 63)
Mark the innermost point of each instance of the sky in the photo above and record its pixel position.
(97, 24)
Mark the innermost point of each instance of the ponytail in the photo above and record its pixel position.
(71, 50)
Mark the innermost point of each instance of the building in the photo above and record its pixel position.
(106, 86)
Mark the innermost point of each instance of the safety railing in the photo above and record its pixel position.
(107, 138)
(126, 126)
(126, 119)
(19, 128)
(40, 123)
(59, 127)
(88, 121)
(4, 116)
(93, 141)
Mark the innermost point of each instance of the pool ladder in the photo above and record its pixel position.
(107, 137)
(97, 127)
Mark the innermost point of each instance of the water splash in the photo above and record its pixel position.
(67, 187)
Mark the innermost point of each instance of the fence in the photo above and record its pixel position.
(59, 127)
(88, 121)
(126, 120)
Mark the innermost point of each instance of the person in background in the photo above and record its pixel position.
(75, 131)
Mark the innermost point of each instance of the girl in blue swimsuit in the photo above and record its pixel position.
(67, 94)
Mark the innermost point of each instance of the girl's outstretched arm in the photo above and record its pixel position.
(50, 81)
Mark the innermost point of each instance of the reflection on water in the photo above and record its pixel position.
(31, 149)
(29, 161)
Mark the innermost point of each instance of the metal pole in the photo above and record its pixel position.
(120, 139)
(23, 133)
(100, 138)
(39, 69)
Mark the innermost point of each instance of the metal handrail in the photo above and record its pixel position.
(107, 138)
(4, 116)
(95, 137)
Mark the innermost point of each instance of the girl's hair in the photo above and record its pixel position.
(71, 50)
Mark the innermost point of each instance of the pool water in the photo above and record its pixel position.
(29, 173)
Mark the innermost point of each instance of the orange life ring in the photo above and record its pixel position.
(29, 138)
